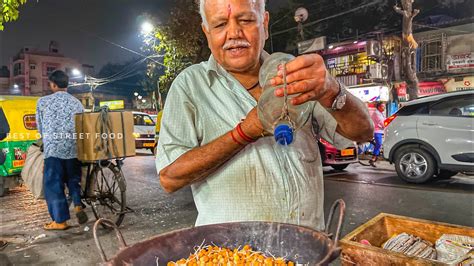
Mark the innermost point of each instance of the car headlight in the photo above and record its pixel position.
(136, 135)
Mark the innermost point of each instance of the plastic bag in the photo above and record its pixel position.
(32, 172)
(453, 249)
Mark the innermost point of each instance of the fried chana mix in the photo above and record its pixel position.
(217, 256)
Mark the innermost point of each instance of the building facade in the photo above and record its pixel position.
(5, 87)
(444, 60)
(373, 70)
(30, 68)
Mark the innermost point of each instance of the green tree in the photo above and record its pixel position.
(181, 43)
(9, 11)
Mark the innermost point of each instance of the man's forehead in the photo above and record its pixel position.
(219, 8)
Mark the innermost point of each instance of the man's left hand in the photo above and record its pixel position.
(307, 75)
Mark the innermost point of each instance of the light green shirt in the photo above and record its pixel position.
(204, 103)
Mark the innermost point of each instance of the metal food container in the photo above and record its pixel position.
(296, 243)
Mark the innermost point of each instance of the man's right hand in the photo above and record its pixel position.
(251, 126)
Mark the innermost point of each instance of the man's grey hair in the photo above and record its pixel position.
(202, 10)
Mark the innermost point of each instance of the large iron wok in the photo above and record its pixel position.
(296, 243)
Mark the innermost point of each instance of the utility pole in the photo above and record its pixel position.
(409, 46)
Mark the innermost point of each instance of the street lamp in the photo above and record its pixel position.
(16, 89)
(76, 72)
(137, 98)
(147, 28)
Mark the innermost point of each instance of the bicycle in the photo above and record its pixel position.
(105, 189)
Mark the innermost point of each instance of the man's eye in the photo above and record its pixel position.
(246, 21)
(220, 25)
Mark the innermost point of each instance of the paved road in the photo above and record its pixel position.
(366, 191)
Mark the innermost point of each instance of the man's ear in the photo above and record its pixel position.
(266, 19)
(206, 32)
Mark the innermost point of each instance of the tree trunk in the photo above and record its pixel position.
(409, 46)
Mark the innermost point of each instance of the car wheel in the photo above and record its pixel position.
(339, 167)
(445, 174)
(414, 165)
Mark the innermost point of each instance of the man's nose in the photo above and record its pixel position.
(234, 30)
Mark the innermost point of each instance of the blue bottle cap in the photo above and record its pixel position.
(283, 134)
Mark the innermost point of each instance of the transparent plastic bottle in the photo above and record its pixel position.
(271, 107)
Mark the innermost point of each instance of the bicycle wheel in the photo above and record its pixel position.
(108, 200)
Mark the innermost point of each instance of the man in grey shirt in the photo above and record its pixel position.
(55, 119)
(212, 139)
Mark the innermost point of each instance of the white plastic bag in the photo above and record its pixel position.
(453, 249)
(32, 172)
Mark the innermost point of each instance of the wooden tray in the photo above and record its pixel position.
(383, 226)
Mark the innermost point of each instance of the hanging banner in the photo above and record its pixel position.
(460, 61)
(466, 83)
(460, 53)
(312, 45)
(424, 89)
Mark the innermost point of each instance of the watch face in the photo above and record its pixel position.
(341, 101)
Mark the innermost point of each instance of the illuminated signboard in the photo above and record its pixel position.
(113, 105)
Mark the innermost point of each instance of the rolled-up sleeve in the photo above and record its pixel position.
(324, 125)
(178, 132)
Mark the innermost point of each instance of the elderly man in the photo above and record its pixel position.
(211, 137)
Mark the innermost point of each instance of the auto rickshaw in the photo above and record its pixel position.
(157, 130)
(18, 130)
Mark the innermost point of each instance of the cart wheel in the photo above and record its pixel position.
(108, 200)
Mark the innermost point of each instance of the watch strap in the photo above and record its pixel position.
(340, 99)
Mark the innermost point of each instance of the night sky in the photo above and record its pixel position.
(75, 23)
(79, 25)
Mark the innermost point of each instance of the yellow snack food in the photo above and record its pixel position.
(218, 256)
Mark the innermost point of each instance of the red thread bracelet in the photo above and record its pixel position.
(234, 139)
(243, 135)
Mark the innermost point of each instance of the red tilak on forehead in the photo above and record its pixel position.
(229, 11)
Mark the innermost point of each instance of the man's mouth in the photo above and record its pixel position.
(236, 48)
(237, 51)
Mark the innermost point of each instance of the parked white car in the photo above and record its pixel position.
(432, 137)
(144, 131)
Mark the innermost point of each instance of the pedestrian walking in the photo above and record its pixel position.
(55, 121)
(378, 117)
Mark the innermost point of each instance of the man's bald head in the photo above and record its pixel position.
(202, 9)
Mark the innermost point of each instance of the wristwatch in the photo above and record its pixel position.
(340, 99)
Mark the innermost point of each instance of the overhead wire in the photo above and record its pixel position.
(126, 72)
(114, 43)
(330, 17)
